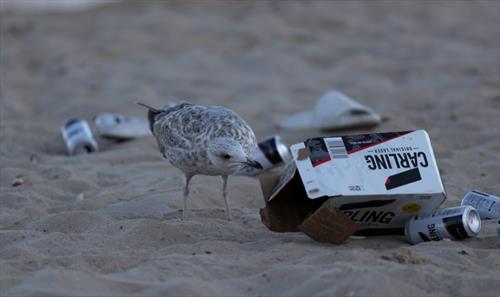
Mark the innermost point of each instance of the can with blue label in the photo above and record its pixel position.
(487, 205)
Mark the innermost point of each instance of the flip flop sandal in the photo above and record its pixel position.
(333, 110)
(120, 127)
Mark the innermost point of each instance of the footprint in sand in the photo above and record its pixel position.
(72, 187)
(54, 173)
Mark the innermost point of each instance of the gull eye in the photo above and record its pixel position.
(226, 157)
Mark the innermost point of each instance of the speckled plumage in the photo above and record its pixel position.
(184, 131)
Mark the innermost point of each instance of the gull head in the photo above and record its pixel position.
(228, 155)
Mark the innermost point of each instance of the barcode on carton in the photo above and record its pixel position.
(336, 148)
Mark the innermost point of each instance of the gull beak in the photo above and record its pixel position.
(252, 163)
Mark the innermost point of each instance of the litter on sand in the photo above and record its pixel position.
(78, 137)
(120, 127)
(487, 205)
(369, 184)
(270, 153)
(454, 223)
(333, 110)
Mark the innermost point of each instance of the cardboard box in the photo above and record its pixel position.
(378, 180)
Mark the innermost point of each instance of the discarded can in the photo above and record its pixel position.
(270, 153)
(78, 137)
(455, 223)
(487, 205)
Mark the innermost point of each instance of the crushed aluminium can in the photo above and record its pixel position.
(455, 223)
(270, 153)
(78, 137)
(487, 205)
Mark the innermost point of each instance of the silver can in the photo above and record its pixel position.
(270, 153)
(455, 223)
(487, 205)
(78, 137)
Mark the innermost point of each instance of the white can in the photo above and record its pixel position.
(487, 205)
(455, 223)
(270, 153)
(78, 137)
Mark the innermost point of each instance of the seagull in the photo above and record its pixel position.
(197, 139)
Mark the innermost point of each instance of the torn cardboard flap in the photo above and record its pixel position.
(328, 224)
(286, 211)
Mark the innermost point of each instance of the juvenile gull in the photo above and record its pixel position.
(196, 139)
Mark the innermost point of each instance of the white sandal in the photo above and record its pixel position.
(120, 127)
(333, 110)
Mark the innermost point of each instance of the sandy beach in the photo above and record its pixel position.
(108, 224)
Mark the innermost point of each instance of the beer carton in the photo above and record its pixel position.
(378, 180)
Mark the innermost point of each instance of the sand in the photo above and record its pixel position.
(108, 224)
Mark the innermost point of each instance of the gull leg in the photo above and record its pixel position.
(226, 198)
(185, 196)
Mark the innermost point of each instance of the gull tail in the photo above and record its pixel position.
(152, 113)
